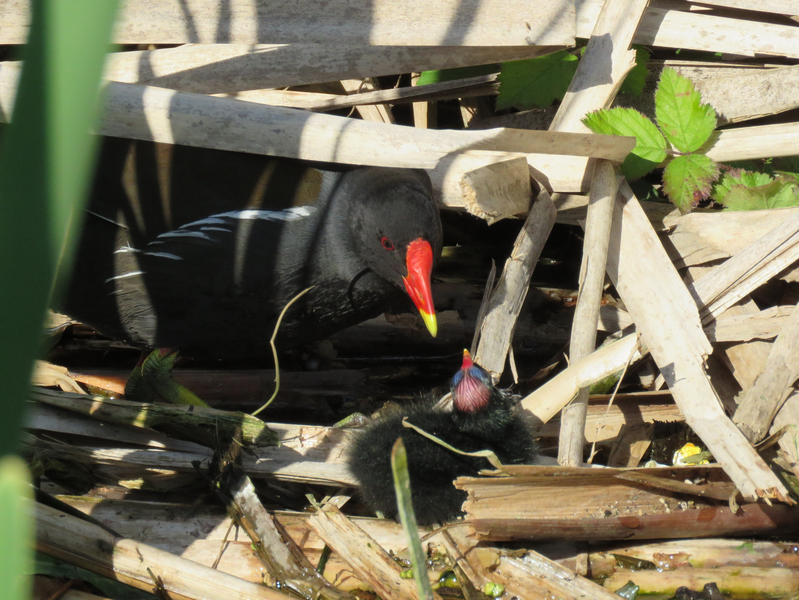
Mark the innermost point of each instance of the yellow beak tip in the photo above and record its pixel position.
(431, 322)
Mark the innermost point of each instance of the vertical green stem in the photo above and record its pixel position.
(402, 486)
(45, 162)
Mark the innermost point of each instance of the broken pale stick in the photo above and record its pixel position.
(758, 325)
(93, 548)
(508, 297)
(550, 398)
(279, 553)
(604, 65)
(749, 269)
(367, 22)
(497, 190)
(371, 563)
(701, 237)
(557, 580)
(772, 387)
(489, 185)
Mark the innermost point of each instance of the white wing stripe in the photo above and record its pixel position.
(164, 255)
(125, 276)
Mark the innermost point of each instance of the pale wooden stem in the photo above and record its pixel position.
(586, 314)
(772, 387)
(375, 22)
(369, 112)
(547, 400)
(606, 62)
(737, 277)
(780, 7)
(497, 190)
(370, 562)
(670, 28)
(150, 113)
(276, 549)
(228, 68)
(484, 85)
(758, 141)
(559, 580)
(509, 295)
(93, 548)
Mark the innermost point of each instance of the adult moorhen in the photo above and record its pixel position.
(200, 250)
(482, 418)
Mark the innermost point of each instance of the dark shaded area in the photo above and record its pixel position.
(153, 270)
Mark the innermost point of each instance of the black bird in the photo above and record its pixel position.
(482, 418)
(195, 257)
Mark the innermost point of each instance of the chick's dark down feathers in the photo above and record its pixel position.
(432, 467)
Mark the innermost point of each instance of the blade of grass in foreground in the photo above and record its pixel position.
(402, 487)
(45, 161)
(16, 528)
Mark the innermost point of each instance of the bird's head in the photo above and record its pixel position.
(399, 234)
(471, 387)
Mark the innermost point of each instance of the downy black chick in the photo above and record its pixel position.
(482, 418)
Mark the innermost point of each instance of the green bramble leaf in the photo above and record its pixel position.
(786, 176)
(650, 147)
(687, 180)
(636, 79)
(684, 120)
(738, 178)
(536, 82)
(779, 193)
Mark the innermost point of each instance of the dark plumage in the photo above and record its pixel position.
(203, 255)
(482, 419)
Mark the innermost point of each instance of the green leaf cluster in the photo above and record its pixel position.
(536, 82)
(684, 128)
(746, 190)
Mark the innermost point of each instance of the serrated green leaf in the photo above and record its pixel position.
(536, 82)
(776, 194)
(785, 176)
(684, 120)
(428, 77)
(687, 179)
(634, 83)
(735, 178)
(650, 147)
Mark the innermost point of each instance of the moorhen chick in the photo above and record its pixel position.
(482, 418)
(210, 280)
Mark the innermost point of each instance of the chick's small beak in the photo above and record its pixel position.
(419, 262)
(467, 360)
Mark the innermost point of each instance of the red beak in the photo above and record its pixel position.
(419, 261)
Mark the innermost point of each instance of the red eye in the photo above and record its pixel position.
(386, 243)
